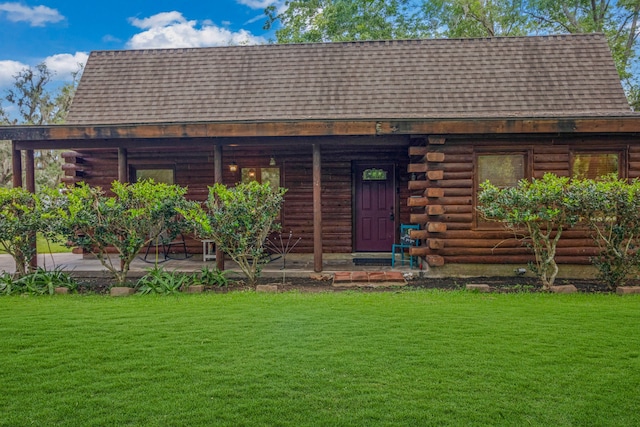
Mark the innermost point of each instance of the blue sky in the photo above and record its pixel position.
(62, 33)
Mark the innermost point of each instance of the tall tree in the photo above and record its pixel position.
(33, 103)
(341, 20)
(475, 18)
(306, 21)
(618, 20)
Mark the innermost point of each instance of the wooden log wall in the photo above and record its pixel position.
(195, 170)
(443, 197)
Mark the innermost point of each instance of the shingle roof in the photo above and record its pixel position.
(546, 76)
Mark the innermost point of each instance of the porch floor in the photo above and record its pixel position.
(297, 265)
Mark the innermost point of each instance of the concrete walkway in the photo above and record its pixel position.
(297, 265)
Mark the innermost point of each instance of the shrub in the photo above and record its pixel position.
(540, 209)
(21, 217)
(610, 207)
(127, 222)
(239, 220)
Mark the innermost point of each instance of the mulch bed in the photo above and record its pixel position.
(101, 285)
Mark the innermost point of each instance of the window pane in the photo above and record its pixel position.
(272, 176)
(594, 165)
(164, 176)
(249, 174)
(502, 170)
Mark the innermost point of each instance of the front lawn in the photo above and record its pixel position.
(354, 358)
(45, 247)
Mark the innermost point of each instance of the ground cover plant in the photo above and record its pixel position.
(351, 358)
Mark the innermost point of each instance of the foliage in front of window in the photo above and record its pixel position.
(239, 219)
(594, 165)
(541, 208)
(374, 175)
(611, 209)
(127, 222)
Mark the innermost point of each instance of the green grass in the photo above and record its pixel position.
(335, 359)
(44, 247)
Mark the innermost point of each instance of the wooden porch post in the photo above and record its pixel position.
(123, 165)
(217, 179)
(30, 178)
(16, 156)
(317, 209)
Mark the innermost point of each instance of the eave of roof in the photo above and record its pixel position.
(73, 134)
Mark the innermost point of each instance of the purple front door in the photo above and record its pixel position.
(374, 207)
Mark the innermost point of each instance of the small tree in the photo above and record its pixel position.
(541, 209)
(239, 220)
(20, 219)
(135, 216)
(610, 207)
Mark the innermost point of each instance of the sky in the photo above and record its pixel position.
(62, 33)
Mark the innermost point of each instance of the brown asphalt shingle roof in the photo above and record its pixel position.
(547, 76)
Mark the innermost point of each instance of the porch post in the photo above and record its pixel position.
(217, 179)
(30, 177)
(317, 209)
(123, 165)
(16, 156)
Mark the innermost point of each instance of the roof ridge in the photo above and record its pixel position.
(354, 42)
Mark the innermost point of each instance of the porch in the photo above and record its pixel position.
(297, 265)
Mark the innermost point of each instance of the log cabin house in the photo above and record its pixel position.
(364, 135)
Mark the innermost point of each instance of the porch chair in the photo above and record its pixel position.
(166, 240)
(406, 242)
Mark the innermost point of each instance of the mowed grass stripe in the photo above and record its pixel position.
(406, 358)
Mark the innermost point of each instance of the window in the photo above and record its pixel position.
(158, 174)
(594, 165)
(262, 175)
(501, 170)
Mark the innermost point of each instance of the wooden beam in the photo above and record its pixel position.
(436, 227)
(434, 193)
(16, 156)
(30, 171)
(435, 175)
(217, 179)
(417, 168)
(530, 125)
(435, 157)
(190, 130)
(30, 181)
(436, 140)
(317, 209)
(444, 127)
(123, 165)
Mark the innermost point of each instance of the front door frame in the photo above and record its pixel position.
(355, 166)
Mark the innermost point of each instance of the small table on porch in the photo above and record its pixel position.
(208, 250)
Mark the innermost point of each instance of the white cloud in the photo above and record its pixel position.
(111, 39)
(36, 16)
(8, 69)
(171, 30)
(65, 64)
(159, 20)
(62, 66)
(257, 4)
